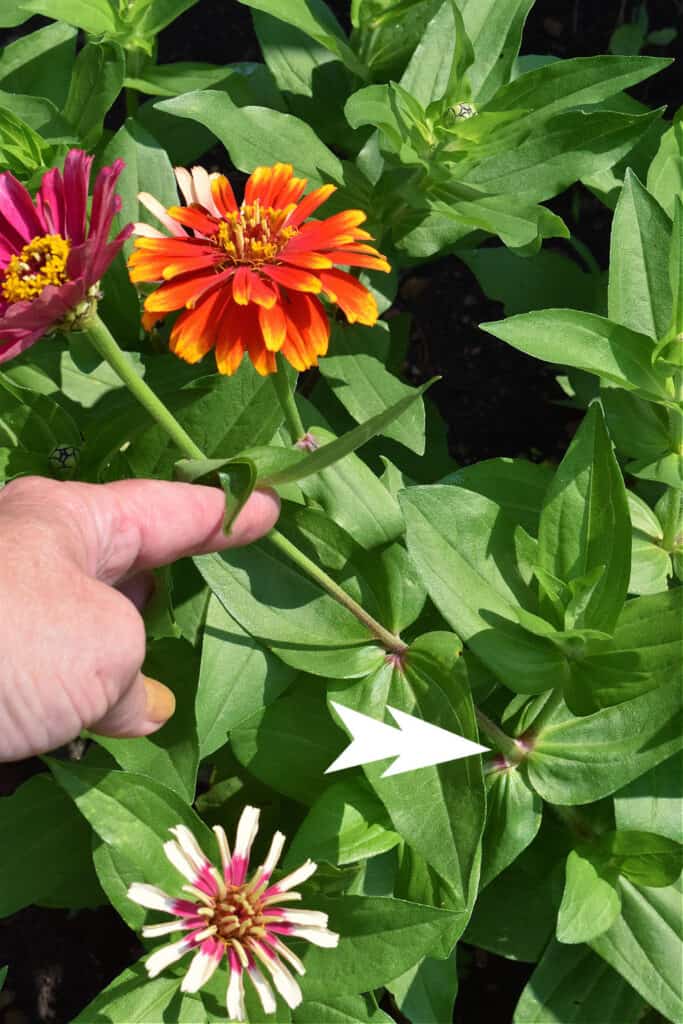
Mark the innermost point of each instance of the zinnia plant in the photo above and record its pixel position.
(51, 258)
(247, 276)
(228, 916)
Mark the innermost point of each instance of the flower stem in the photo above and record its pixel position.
(103, 342)
(285, 396)
(504, 743)
(390, 641)
(100, 338)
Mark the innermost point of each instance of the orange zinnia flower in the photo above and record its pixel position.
(247, 277)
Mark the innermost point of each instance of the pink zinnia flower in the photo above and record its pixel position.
(228, 916)
(51, 261)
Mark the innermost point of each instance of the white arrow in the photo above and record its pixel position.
(415, 744)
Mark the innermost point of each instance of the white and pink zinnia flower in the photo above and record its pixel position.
(51, 259)
(228, 916)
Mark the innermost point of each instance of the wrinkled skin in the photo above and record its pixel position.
(75, 563)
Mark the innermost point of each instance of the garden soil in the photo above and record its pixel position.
(495, 401)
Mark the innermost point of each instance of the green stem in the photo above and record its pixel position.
(504, 743)
(100, 338)
(285, 396)
(102, 341)
(390, 641)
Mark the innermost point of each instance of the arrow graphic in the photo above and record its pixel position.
(415, 744)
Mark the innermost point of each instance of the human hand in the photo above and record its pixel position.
(74, 570)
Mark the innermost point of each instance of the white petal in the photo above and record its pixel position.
(190, 847)
(247, 828)
(282, 897)
(235, 998)
(296, 877)
(223, 845)
(150, 896)
(147, 231)
(308, 918)
(286, 985)
(199, 972)
(153, 931)
(164, 957)
(274, 854)
(287, 954)
(180, 861)
(263, 990)
(184, 179)
(159, 211)
(317, 936)
(202, 190)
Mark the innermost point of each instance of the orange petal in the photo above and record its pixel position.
(351, 296)
(273, 325)
(308, 314)
(178, 293)
(290, 277)
(357, 259)
(193, 333)
(223, 195)
(311, 203)
(196, 218)
(306, 260)
(265, 183)
(241, 285)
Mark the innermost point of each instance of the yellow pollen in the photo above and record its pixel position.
(40, 263)
(237, 917)
(254, 234)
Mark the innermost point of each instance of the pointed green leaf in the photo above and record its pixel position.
(590, 901)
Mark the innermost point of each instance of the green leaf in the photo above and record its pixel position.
(475, 565)
(571, 145)
(651, 440)
(427, 991)
(156, 15)
(13, 14)
(96, 81)
(585, 524)
(432, 685)
(379, 939)
(587, 342)
(533, 282)
(652, 802)
(579, 760)
(571, 985)
(289, 744)
(274, 466)
(513, 818)
(354, 370)
(179, 77)
(665, 174)
(342, 1010)
(238, 677)
(172, 753)
(529, 891)
(132, 814)
(440, 59)
(40, 62)
(495, 31)
(45, 855)
(255, 135)
(94, 16)
(354, 498)
(590, 902)
(115, 874)
(542, 93)
(516, 485)
(645, 945)
(22, 150)
(136, 998)
(285, 610)
(645, 858)
(314, 19)
(346, 823)
(147, 169)
(639, 293)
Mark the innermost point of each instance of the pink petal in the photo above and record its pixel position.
(19, 221)
(76, 180)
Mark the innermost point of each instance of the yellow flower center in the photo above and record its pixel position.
(40, 263)
(254, 234)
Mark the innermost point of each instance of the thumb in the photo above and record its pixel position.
(142, 709)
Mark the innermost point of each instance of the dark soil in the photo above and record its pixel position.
(496, 402)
